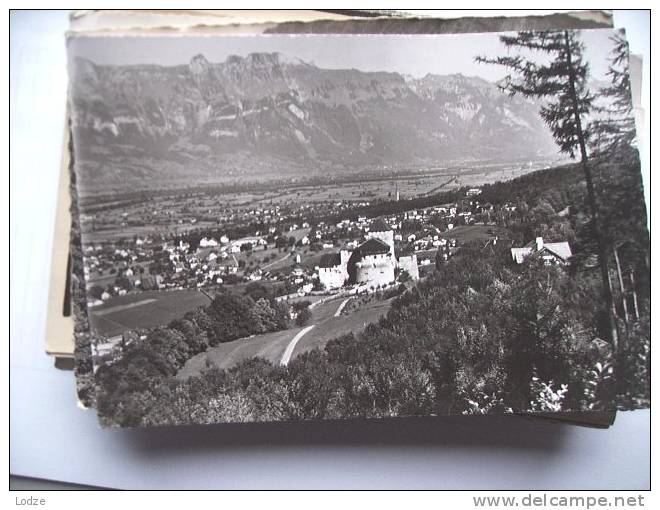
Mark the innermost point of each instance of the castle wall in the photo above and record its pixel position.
(333, 277)
(409, 263)
(375, 270)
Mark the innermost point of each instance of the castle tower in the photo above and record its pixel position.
(382, 231)
(344, 255)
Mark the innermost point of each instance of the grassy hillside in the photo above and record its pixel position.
(271, 346)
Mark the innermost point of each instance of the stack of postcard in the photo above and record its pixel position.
(317, 215)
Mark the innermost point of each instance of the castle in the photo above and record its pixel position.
(371, 264)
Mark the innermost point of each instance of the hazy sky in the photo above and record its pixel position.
(416, 55)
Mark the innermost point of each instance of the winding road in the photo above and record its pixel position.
(286, 357)
(341, 307)
(281, 347)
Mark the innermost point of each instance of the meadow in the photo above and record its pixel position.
(147, 309)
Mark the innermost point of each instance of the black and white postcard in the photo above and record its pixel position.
(296, 227)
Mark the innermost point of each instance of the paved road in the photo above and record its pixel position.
(286, 357)
(282, 346)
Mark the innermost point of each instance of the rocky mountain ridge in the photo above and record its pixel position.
(266, 115)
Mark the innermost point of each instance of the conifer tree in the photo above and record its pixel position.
(614, 133)
(558, 76)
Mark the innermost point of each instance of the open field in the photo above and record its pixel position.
(359, 192)
(143, 310)
(271, 346)
(423, 181)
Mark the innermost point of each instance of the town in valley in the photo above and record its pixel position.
(152, 257)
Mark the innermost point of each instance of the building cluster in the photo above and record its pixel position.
(294, 244)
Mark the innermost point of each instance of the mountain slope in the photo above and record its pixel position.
(264, 116)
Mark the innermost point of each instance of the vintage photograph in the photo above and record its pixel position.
(296, 227)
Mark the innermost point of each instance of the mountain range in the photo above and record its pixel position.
(266, 116)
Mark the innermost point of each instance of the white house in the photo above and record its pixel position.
(551, 253)
(206, 242)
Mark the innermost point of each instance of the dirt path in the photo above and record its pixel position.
(341, 307)
(275, 262)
